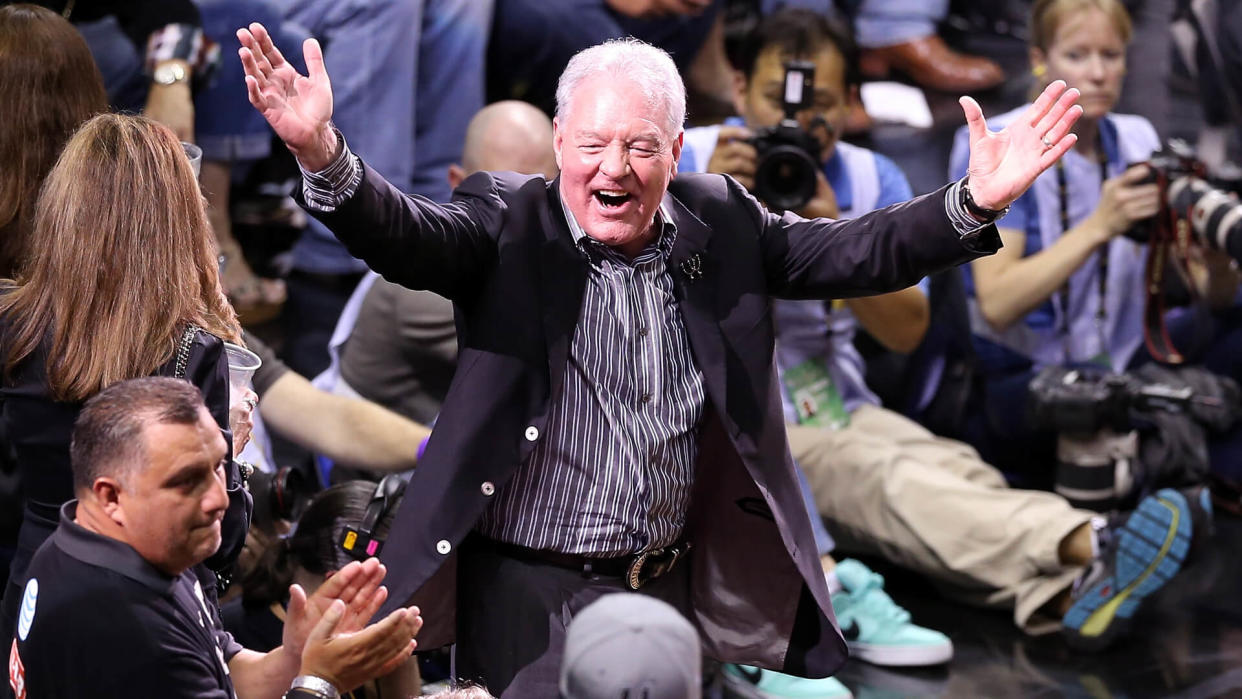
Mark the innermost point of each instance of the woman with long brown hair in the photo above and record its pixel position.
(51, 86)
(121, 281)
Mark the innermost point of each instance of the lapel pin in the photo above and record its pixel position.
(692, 267)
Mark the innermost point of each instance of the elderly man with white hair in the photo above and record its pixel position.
(614, 423)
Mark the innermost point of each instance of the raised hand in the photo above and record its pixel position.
(298, 107)
(1004, 164)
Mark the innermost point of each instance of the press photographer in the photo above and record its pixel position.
(793, 102)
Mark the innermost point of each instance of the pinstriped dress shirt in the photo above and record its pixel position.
(612, 471)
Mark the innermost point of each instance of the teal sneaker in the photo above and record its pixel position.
(746, 682)
(876, 629)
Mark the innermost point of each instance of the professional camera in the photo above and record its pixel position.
(787, 169)
(1094, 413)
(1215, 217)
(279, 496)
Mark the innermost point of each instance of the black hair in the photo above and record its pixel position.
(799, 33)
(107, 435)
(314, 545)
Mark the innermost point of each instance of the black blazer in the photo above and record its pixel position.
(502, 252)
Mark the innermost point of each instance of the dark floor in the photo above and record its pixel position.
(1186, 643)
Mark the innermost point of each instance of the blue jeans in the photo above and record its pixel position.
(226, 127)
(407, 76)
(823, 540)
(878, 23)
(534, 40)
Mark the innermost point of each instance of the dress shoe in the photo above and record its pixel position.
(932, 64)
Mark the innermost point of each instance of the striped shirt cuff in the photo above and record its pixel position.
(962, 220)
(330, 187)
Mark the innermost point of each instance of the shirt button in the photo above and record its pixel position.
(443, 547)
(642, 332)
(487, 488)
(532, 433)
(646, 398)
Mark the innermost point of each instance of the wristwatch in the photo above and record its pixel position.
(170, 73)
(312, 687)
(968, 201)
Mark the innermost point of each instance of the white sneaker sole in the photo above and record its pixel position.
(901, 656)
(738, 688)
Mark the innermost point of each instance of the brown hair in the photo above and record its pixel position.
(50, 86)
(1047, 16)
(121, 260)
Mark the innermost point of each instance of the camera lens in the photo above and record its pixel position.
(785, 177)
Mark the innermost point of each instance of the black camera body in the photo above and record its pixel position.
(788, 162)
(1085, 400)
(1215, 216)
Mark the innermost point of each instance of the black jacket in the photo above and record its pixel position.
(503, 253)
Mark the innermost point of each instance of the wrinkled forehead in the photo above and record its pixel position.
(604, 101)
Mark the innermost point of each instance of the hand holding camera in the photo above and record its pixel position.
(1125, 200)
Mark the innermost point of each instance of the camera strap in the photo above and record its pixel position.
(1101, 311)
(1170, 243)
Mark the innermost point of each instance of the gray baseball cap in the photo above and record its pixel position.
(631, 645)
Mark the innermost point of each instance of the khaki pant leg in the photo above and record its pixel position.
(918, 501)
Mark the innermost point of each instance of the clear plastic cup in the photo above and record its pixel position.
(242, 365)
(195, 154)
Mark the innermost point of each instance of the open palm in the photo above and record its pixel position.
(298, 107)
(1004, 164)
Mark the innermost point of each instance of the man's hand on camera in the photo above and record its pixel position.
(824, 203)
(734, 155)
(346, 660)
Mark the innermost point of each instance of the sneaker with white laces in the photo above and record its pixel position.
(876, 629)
(746, 682)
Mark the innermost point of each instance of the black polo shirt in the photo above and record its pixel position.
(99, 621)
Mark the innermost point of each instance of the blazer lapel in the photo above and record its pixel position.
(563, 273)
(696, 280)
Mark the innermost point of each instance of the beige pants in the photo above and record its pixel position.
(888, 486)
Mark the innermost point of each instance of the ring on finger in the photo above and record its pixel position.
(1044, 140)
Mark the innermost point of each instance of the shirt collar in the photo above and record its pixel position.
(105, 552)
(668, 229)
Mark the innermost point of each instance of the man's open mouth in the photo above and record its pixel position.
(611, 198)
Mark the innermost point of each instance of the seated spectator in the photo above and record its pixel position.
(1069, 287)
(149, 53)
(399, 348)
(122, 283)
(887, 486)
(624, 645)
(38, 49)
(313, 553)
(115, 607)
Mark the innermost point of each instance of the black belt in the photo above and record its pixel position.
(635, 570)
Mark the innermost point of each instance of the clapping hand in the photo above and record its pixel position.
(357, 586)
(1004, 164)
(298, 107)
